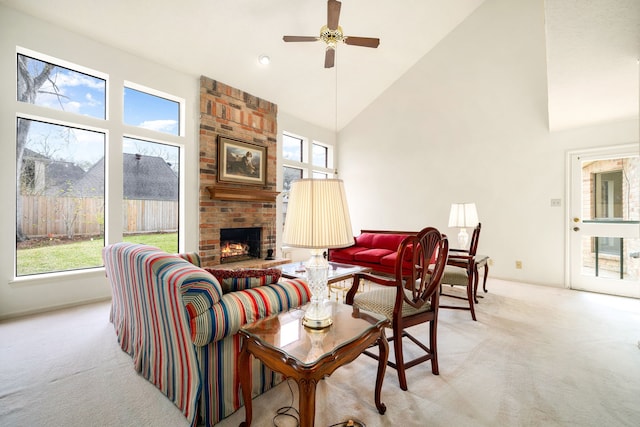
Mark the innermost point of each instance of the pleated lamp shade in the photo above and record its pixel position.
(317, 215)
(463, 215)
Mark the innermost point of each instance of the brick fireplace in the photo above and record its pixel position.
(235, 114)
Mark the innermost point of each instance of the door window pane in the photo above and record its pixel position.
(151, 193)
(610, 190)
(60, 198)
(611, 257)
(151, 112)
(52, 86)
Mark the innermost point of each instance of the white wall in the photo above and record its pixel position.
(16, 29)
(468, 123)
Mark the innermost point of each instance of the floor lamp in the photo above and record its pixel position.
(317, 219)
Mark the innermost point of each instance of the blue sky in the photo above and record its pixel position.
(84, 94)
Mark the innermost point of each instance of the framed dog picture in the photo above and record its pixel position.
(241, 162)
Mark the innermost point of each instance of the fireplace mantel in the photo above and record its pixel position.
(224, 192)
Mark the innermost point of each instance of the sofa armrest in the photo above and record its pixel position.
(200, 291)
(192, 257)
(236, 309)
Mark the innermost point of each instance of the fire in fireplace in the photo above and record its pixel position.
(238, 244)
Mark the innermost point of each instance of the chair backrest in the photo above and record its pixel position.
(475, 236)
(428, 252)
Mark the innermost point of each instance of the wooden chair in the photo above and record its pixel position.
(410, 297)
(462, 270)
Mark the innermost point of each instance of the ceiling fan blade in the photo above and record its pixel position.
(333, 13)
(362, 41)
(329, 58)
(299, 38)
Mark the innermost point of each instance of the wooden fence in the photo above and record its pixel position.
(68, 216)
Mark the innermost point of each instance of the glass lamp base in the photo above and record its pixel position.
(318, 315)
(317, 323)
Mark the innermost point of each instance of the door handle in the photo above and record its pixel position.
(576, 228)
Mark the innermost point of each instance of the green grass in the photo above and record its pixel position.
(82, 254)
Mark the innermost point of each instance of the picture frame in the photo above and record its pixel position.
(241, 162)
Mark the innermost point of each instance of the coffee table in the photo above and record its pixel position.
(283, 344)
(337, 272)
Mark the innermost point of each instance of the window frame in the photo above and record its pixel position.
(114, 130)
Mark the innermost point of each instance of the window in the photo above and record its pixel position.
(608, 205)
(60, 88)
(607, 196)
(150, 193)
(320, 155)
(61, 198)
(296, 152)
(151, 112)
(63, 131)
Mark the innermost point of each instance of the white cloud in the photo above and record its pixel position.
(166, 126)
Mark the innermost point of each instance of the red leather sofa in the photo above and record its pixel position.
(375, 249)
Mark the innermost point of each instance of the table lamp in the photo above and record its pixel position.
(463, 215)
(317, 219)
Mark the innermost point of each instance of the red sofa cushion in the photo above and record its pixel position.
(388, 241)
(365, 240)
(390, 261)
(346, 254)
(372, 255)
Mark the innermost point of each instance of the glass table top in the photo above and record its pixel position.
(285, 332)
(336, 271)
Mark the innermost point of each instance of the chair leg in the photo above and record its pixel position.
(397, 348)
(470, 297)
(475, 283)
(433, 345)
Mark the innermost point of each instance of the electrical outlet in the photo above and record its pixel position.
(519, 265)
(490, 262)
(556, 203)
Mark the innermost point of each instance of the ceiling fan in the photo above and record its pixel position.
(332, 33)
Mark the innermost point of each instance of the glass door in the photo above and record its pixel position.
(604, 224)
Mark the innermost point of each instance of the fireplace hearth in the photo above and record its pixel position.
(239, 244)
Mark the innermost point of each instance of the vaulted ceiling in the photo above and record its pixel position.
(592, 48)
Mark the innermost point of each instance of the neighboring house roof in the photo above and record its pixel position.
(57, 172)
(145, 177)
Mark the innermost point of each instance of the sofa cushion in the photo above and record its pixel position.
(346, 254)
(365, 240)
(372, 255)
(388, 241)
(238, 280)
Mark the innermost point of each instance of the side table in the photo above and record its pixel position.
(283, 344)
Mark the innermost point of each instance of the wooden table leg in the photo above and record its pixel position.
(307, 401)
(383, 356)
(245, 382)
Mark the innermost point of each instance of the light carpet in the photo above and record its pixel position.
(536, 356)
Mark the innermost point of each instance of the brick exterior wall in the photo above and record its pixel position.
(231, 112)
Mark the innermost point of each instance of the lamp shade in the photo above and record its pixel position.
(463, 215)
(317, 215)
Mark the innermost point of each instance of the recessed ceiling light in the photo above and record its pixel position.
(264, 59)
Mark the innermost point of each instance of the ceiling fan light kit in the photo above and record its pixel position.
(332, 33)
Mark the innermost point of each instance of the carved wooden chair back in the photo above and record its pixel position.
(409, 298)
(463, 271)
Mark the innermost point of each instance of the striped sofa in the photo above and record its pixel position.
(180, 328)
